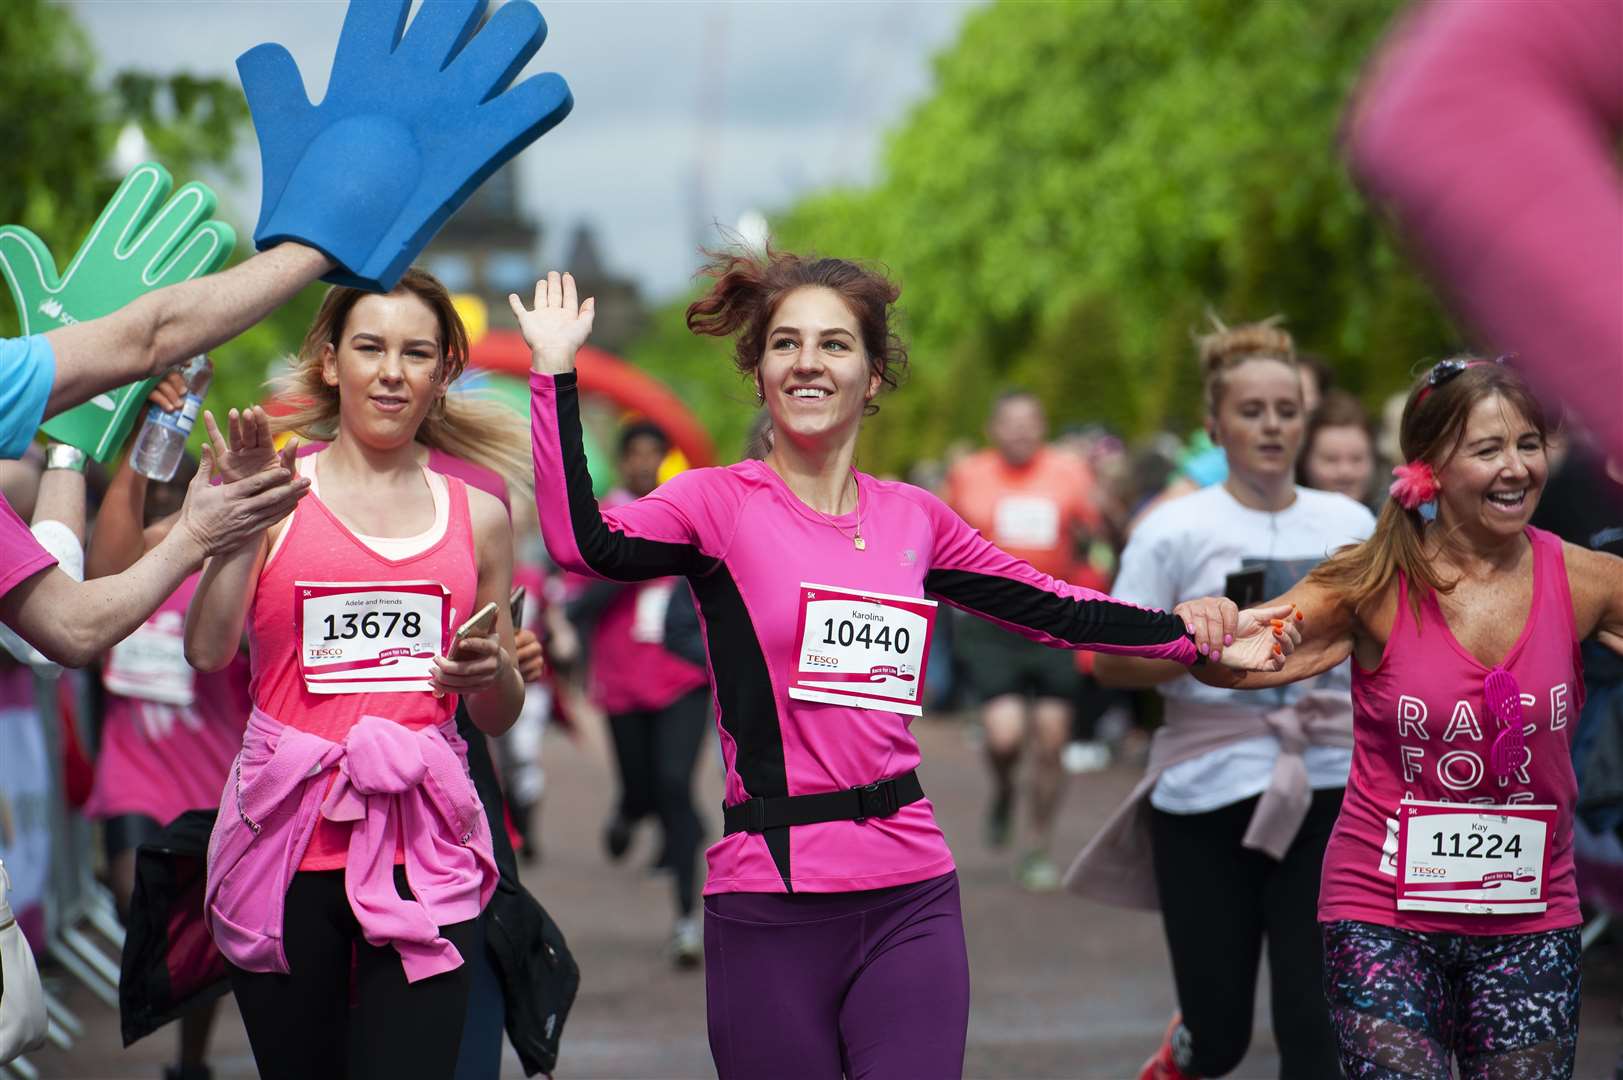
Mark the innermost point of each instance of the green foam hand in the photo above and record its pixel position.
(139, 243)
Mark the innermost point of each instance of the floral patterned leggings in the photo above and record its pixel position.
(1404, 1003)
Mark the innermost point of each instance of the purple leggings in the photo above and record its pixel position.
(820, 985)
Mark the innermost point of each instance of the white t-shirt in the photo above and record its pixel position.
(1185, 549)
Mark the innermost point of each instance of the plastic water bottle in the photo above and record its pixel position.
(164, 434)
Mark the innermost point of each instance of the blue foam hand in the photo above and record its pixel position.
(409, 128)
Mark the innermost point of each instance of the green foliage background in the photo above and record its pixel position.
(1087, 178)
(60, 125)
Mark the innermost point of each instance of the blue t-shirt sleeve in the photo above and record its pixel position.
(27, 370)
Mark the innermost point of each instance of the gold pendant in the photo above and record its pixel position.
(859, 542)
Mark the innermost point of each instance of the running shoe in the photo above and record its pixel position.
(1037, 873)
(999, 819)
(617, 838)
(687, 945)
(1163, 1064)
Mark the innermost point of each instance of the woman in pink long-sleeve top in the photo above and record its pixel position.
(833, 935)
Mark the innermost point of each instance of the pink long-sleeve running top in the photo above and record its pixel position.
(745, 544)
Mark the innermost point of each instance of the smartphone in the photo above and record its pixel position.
(481, 623)
(1245, 587)
(515, 607)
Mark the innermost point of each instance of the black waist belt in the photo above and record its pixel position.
(881, 799)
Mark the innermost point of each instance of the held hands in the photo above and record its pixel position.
(1256, 639)
(476, 665)
(557, 327)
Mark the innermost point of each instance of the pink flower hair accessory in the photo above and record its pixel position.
(1415, 484)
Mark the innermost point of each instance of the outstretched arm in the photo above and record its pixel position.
(159, 330)
(971, 573)
(73, 622)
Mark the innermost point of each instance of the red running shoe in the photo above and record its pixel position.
(1162, 1065)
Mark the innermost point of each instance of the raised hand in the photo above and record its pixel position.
(251, 448)
(141, 242)
(557, 326)
(410, 126)
(1263, 638)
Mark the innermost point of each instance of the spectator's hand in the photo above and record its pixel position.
(1263, 638)
(251, 448)
(221, 518)
(169, 392)
(532, 663)
(408, 128)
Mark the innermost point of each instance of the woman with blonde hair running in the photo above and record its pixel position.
(350, 824)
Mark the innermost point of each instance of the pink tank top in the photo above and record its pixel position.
(319, 547)
(163, 775)
(1422, 731)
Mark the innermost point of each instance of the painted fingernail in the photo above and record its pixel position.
(1298, 614)
(1278, 651)
(1278, 633)
(1277, 624)
(1228, 639)
(1204, 650)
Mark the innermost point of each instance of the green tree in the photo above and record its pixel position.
(1088, 178)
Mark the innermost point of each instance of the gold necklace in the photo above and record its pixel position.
(856, 537)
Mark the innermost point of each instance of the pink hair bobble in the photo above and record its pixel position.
(1415, 484)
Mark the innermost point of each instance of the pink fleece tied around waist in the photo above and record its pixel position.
(385, 762)
(400, 789)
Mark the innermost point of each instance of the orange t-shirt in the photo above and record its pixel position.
(1032, 511)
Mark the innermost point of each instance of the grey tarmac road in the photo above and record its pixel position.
(1062, 987)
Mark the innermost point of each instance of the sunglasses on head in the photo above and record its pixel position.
(1445, 370)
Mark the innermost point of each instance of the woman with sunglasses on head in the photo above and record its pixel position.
(833, 935)
(1448, 905)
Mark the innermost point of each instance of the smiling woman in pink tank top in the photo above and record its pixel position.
(349, 825)
(1448, 905)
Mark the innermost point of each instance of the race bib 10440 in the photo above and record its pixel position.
(368, 637)
(862, 649)
(1473, 860)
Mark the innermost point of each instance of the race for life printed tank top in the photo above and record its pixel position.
(319, 547)
(1423, 731)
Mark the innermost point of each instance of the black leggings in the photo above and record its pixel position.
(656, 751)
(1218, 901)
(302, 1025)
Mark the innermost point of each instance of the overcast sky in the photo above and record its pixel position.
(786, 97)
